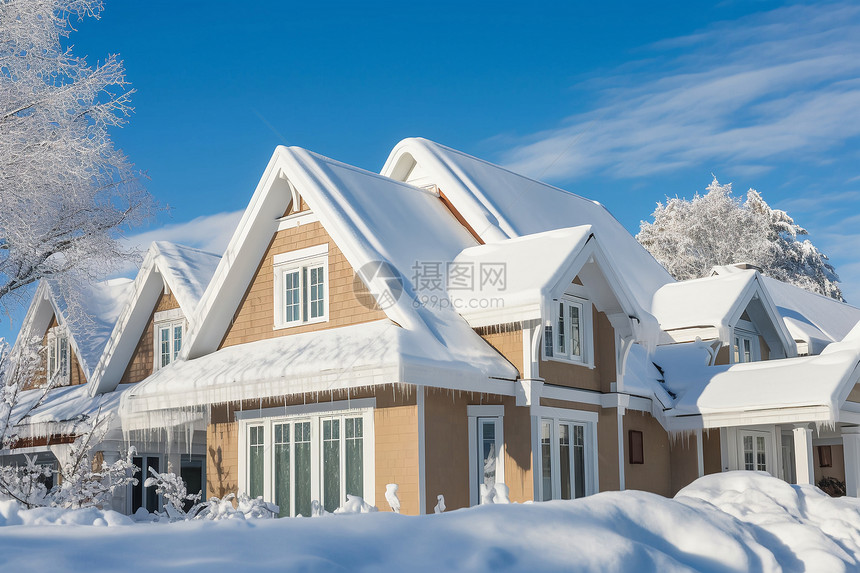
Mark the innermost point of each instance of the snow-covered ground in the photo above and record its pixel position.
(739, 521)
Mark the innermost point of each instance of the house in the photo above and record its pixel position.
(124, 331)
(458, 329)
(453, 327)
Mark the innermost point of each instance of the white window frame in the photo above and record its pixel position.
(58, 340)
(732, 452)
(167, 319)
(738, 337)
(556, 416)
(315, 414)
(586, 327)
(497, 416)
(769, 457)
(301, 261)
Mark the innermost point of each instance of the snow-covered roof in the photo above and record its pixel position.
(810, 317)
(499, 204)
(89, 327)
(371, 219)
(361, 355)
(809, 388)
(185, 270)
(64, 411)
(516, 273)
(718, 302)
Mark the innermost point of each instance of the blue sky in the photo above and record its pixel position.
(623, 102)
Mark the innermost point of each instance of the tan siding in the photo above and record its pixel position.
(396, 433)
(141, 364)
(607, 449)
(254, 319)
(509, 344)
(656, 473)
(685, 462)
(598, 378)
(446, 450)
(76, 373)
(722, 356)
(711, 451)
(222, 459)
(765, 349)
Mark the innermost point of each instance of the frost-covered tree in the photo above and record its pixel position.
(689, 237)
(66, 192)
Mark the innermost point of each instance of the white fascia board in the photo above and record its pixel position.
(798, 414)
(781, 328)
(504, 315)
(297, 220)
(239, 263)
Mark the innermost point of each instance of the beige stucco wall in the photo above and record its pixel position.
(655, 475)
(254, 319)
(141, 364)
(598, 378)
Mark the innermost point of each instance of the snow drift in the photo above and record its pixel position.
(737, 521)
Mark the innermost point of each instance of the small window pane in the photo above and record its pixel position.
(302, 469)
(575, 332)
(64, 356)
(177, 340)
(282, 468)
(546, 460)
(354, 457)
(52, 357)
(292, 292)
(487, 429)
(749, 455)
(331, 464)
(256, 449)
(636, 446)
(761, 457)
(579, 461)
(564, 455)
(560, 344)
(164, 340)
(747, 350)
(317, 292)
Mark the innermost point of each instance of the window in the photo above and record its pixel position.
(636, 447)
(745, 348)
(566, 466)
(755, 450)
(145, 497)
(825, 457)
(568, 331)
(294, 460)
(58, 356)
(486, 450)
(169, 327)
(301, 287)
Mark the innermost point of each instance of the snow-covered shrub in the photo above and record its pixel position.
(26, 484)
(84, 486)
(246, 508)
(171, 488)
(355, 504)
(691, 237)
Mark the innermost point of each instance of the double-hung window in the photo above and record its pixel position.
(745, 347)
(293, 460)
(169, 327)
(569, 330)
(58, 356)
(301, 286)
(755, 450)
(566, 452)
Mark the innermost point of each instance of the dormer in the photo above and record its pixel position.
(735, 311)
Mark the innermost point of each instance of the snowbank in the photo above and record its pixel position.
(739, 521)
(11, 513)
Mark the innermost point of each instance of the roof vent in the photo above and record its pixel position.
(748, 267)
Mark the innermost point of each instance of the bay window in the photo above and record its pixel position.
(301, 286)
(293, 460)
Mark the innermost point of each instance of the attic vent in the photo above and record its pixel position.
(748, 267)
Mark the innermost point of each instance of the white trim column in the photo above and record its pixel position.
(804, 470)
(851, 449)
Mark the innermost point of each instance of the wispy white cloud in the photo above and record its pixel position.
(782, 85)
(209, 233)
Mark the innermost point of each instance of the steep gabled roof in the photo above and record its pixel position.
(372, 219)
(186, 272)
(98, 306)
(499, 204)
(810, 317)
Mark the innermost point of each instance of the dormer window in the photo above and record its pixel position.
(58, 356)
(569, 329)
(745, 345)
(169, 328)
(301, 287)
